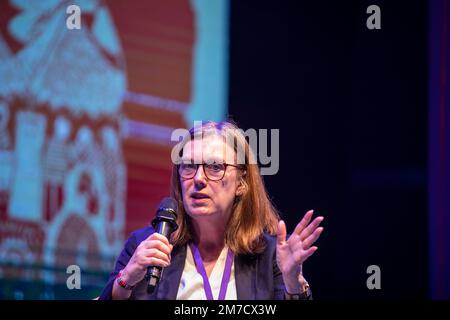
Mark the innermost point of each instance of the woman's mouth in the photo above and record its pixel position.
(199, 196)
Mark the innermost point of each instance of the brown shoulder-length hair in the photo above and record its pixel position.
(252, 211)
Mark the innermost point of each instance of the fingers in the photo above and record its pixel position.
(155, 253)
(308, 253)
(158, 236)
(159, 242)
(309, 241)
(153, 261)
(301, 255)
(281, 232)
(151, 257)
(304, 222)
(156, 244)
(311, 228)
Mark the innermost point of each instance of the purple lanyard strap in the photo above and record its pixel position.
(202, 271)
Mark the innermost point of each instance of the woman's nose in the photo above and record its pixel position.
(200, 176)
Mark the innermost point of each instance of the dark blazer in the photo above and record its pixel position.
(257, 276)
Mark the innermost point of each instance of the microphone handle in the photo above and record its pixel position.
(164, 228)
(154, 272)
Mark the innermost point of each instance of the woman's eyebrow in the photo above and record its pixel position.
(208, 160)
(215, 160)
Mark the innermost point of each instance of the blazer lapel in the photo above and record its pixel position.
(245, 276)
(170, 280)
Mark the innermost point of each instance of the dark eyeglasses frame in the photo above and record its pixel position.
(206, 174)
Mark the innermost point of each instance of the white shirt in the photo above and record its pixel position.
(191, 283)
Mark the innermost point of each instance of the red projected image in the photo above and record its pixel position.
(89, 96)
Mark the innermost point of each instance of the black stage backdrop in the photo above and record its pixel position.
(351, 106)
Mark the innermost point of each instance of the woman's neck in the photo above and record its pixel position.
(209, 237)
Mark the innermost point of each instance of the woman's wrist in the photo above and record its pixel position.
(123, 280)
(119, 292)
(294, 281)
(292, 286)
(305, 294)
(297, 288)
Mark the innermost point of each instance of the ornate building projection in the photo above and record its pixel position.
(62, 170)
(86, 117)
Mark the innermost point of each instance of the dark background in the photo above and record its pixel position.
(351, 106)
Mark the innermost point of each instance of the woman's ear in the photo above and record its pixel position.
(242, 188)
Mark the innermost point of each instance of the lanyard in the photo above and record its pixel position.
(202, 271)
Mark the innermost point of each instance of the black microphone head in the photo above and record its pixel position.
(167, 212)
(168, 203)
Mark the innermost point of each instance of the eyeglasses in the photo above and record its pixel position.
(214, 171)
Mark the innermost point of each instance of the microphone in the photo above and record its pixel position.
(164, 223)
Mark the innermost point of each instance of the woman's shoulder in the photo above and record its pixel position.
(269, 244)
(271, 240)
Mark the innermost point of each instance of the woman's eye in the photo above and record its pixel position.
(188, 166)
(215, 167)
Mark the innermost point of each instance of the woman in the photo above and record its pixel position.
(230, 243)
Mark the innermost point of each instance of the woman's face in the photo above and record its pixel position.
(202, 197)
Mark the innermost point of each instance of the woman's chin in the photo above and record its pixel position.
(199, 211)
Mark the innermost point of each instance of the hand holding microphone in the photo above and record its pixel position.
(164, 223)
(153, 254)
(153, 251)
